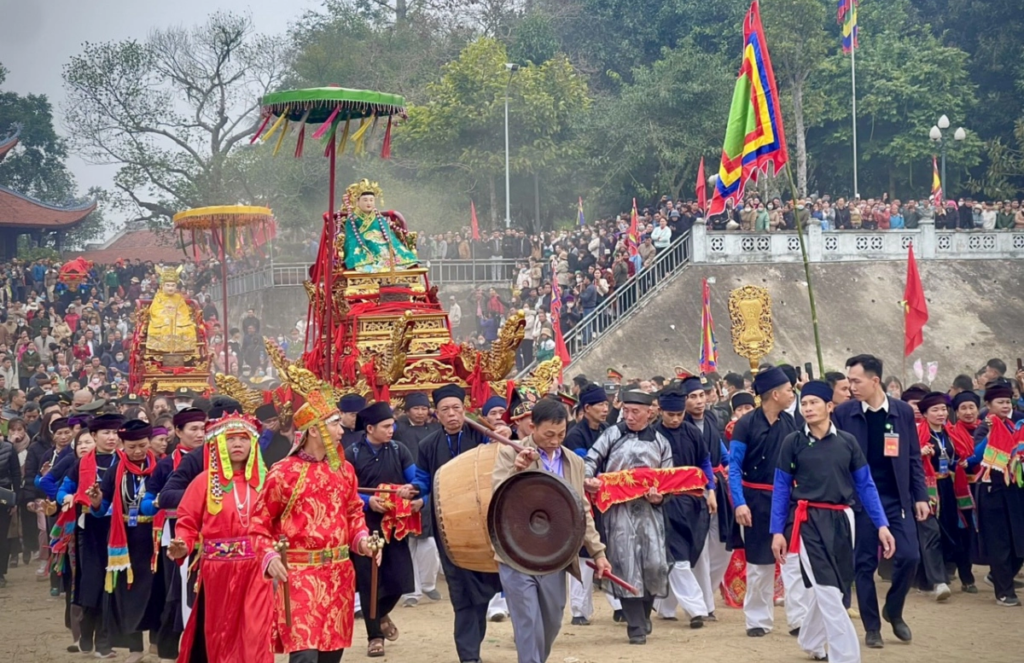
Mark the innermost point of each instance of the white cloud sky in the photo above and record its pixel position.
(40, 36)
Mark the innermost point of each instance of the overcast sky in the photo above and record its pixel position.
(40, 36)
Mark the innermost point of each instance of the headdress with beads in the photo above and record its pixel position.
(219, 471)
(316, 411)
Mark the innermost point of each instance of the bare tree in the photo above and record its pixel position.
(170, 110)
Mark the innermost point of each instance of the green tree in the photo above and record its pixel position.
(170, 110)
(459, 131)
(798, 44)
(674, 112)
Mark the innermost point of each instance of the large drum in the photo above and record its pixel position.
(462, 493)
(537, 522)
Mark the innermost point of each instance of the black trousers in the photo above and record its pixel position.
(94, 633)
(995, 514)
(314, 656)
(5, 543)
(637, 613)
(385, 604)
(470, 629)
(904, 530)
(932, 569)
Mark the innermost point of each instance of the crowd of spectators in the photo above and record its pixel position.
(776, 214)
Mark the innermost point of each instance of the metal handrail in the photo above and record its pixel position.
(623, 302)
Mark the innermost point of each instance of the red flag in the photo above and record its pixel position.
(472, 220)
(633, 235)
(702, 188)
(915, 307)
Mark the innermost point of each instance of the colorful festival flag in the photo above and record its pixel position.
(579, 215)
(914, 305)
(754, 138)
(708, 344)
(936, 184)
(847, 17)
(473, 221)
(702, 188)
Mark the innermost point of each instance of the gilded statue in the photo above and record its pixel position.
(372, 241)
(172, 328)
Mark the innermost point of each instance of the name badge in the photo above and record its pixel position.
(133, 517)
(943, 466)
(892, 445)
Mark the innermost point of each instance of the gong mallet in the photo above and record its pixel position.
(617, 580)
(484, 429)
(282, 549)
(375, 543)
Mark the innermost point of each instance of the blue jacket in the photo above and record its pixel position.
(907, 466)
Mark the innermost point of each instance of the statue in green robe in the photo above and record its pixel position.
(371, 243)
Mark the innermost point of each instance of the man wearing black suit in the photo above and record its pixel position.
(887, 434)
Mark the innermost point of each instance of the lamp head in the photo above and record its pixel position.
(935, 134)
(943, 122)
(959, 134)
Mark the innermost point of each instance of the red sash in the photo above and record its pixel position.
(400, 518)
(801, 516)
(628, 485)
(757, 486)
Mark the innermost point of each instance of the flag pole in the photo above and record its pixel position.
(807, 273)
(853, 99)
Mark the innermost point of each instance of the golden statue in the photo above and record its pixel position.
(172, 329)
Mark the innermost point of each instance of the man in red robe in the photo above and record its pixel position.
(234, 606)
(310, 504)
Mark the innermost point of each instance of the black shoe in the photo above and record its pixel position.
(638, 640)
(580, 621)
(756, 632)
(697, 622)
(1008, 601)
(618, 617)
(358, 615)
(648, 626)
(873, 640)
(823, 657)
(795, 632)
(969, 589)
(711, 618)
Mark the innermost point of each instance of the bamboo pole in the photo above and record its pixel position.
(807, 273)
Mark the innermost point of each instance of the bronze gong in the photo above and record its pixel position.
(536, 522)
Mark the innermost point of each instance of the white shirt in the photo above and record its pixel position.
(867, 408)
(661, 237)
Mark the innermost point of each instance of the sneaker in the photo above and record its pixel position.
(54, 592)
(1008, 601)
(711, 617)
(410, 603)
(433, 595)
(969, 589)
(942, 592)
(580, 621)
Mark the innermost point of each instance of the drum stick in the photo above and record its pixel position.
(484, 430)
(374, 491)
(617, 580)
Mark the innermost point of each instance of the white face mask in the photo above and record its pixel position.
(181, 405)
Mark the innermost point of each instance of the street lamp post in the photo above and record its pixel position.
(512, 69)
(936, 135)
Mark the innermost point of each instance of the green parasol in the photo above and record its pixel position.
(329, 107)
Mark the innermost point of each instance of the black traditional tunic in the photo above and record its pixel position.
(728, 530)
(467, 588)
(822, 471)
(580, 439)
(376, 465)
(91, 534)
(687, 519)
(754, 454)
(411, 436)
(130, 610)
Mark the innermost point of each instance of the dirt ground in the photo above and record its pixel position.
(967, 628)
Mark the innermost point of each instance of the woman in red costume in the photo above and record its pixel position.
(234, 603)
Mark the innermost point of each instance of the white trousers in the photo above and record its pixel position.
(759, 602)
(710, 568)
(797, 595)
(826, 623)
(357, 605)
(581, 594)
(684, 591)
(425, 566)
(497, 606)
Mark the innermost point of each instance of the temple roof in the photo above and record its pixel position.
(8, 142)
(141, 244)
(21, 211)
